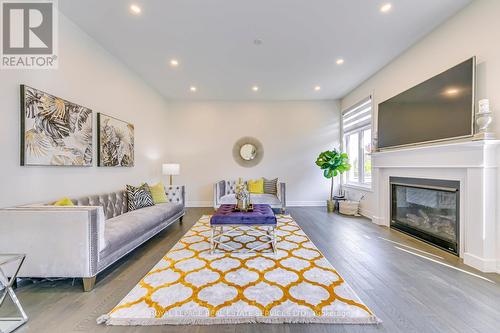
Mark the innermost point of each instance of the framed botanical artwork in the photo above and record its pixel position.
(54, 131)
(116, 142)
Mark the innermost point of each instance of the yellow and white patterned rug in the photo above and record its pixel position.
(190, 286)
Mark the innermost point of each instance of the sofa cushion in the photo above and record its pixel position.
(269, 199)
(256, 186)
(158, 193)
(228, 199)
(271, 186)
(126, 227)
(64, 202)
(139, 197)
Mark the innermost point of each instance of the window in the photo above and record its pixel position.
(357, 137)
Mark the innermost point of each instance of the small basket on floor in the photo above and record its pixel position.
(349, 207)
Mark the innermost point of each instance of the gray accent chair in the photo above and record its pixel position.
(83, 240)
(225, 193)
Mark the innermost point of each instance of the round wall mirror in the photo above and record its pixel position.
(248, 151)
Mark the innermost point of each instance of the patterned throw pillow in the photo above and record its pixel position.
(139, 197)
(271, 186)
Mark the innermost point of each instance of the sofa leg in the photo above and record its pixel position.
(181, 219)
(88, 283)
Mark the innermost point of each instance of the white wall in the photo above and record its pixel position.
(292, 133)
(473, 31)
(90, 76)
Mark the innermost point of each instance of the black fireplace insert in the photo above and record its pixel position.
(427, 209)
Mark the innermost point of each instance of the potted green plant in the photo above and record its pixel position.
(333, 163)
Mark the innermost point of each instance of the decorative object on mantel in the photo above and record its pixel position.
(54, 131)
(484, 119)
(116, 142)
(171, 169)
(248, 152)
(242, 197)
(373, 148)
(333, 163)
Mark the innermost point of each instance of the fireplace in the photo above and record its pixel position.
(427, 209)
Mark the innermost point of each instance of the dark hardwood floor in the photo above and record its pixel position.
(407, 291)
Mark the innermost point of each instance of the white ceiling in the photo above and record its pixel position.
(214, 42)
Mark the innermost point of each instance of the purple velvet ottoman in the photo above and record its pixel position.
(261, 214)
(225, 222)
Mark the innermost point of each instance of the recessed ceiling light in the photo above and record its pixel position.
(193, 88)
(255, 88)
(174, 62)
(135, 9)
(385, 8)
(317, 88)
(339, 61)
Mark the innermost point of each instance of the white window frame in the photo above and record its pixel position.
(361, 156)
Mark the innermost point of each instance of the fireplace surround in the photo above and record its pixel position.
(428, 209)
(475, 166)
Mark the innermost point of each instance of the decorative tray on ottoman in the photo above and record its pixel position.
(249, 209)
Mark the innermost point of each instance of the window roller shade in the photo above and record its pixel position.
(357, 116)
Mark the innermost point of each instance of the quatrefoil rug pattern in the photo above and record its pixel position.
(191, 286)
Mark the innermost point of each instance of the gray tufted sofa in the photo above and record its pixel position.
(225, 193)
(83, 240)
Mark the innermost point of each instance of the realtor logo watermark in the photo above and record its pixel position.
(29, 34)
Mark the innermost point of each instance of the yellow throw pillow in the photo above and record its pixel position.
(64, 202)
(158, 193)
(256, 186)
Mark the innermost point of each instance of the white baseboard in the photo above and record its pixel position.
(482, 264)
(289, 204)
(321, 203)
(366, 213)
(378, 220)
(199, 204)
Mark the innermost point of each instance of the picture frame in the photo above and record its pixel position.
(115, 141)
(54, 131)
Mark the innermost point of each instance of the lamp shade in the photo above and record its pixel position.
(171, 169)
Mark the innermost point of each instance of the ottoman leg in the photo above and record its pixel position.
(274, 241)
(211, 240)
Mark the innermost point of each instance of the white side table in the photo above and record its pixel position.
(10, 324)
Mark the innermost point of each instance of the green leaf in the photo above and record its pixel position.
(333, 163)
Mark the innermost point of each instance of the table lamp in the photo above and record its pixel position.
(171, 169)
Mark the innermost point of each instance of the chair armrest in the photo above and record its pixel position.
(219, 192)
(176, 194)
(57, 241)
(282, 194)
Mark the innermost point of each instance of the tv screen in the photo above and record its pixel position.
(440, 108)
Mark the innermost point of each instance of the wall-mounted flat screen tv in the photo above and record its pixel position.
(441, 108)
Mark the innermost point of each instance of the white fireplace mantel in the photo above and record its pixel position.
(476, 165)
